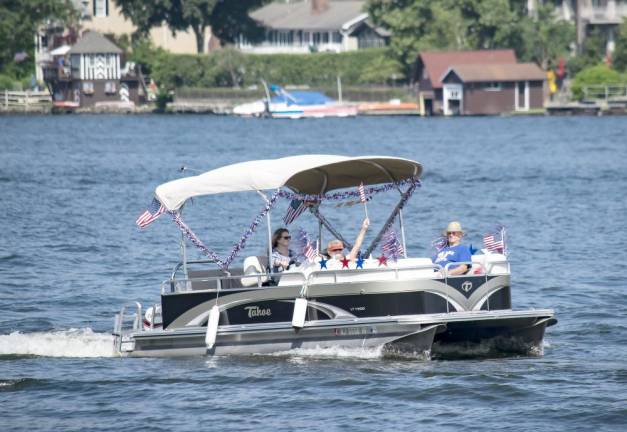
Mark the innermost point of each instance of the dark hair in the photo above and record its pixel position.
(277, 234)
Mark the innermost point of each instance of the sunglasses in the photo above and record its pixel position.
(286, 237)
(454, 233)
(336, 250)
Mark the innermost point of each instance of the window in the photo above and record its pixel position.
(369, 39)
(110, 87)
(492, 86)
(337, 37)
(101, 8)
(88, 88)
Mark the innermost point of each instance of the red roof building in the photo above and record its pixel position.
(477, 83)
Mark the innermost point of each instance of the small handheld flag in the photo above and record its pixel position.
(439, 243)
(310, 252)
(155, 210)
(391, 246)
(362, 197)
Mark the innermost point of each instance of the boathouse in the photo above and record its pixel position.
(492, 89)
(480, 82)
(90, 75)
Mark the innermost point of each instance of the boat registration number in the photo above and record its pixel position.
(352, 331)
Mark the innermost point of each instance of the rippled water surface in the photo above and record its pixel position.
(71, 188)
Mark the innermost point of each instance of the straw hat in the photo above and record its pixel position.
(453, 227)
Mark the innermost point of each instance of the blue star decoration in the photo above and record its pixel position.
(323, 263)
(472, 250)
(360, 262)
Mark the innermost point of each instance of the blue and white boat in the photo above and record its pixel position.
(295, 105)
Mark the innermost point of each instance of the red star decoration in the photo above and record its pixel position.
(344, 262)
(383, 260)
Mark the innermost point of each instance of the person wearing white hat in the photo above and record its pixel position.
(454, 251)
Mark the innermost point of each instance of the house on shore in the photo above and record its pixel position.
(105, 17)
(305, 26)
(485, 82)
(589, 15)
(89, 74)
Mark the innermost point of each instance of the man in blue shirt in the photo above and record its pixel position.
(454, 251)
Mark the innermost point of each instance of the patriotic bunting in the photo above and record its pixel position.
(298, 204)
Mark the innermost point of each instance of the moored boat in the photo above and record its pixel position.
(295, 105)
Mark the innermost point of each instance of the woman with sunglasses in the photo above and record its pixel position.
(282, 256)
(335, 248)
(454, 251)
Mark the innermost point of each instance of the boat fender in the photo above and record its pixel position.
(212, 327)
(300, 310)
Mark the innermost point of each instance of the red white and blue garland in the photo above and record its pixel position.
(224, 264)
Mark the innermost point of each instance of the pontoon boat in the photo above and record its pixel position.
(406, 307)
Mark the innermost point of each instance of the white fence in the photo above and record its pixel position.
(25, 100)
(609, 92)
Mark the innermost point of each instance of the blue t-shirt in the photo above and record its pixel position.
(450, 254)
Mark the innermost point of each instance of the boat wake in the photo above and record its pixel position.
(80, 343)
(331, 352)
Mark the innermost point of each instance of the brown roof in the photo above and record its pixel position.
(497, 72)
(437, 63)
(300, 16)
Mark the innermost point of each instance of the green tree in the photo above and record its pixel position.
(19, 21)
(592, 53)
(418, 25)
(227, 18)
(620, 52)
(543, 38)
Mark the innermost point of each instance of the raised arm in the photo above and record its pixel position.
(352, 256)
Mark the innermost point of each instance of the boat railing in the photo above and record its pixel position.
(230, 282)
(120, 318)
(224, 283)
(181, 264)
(343, 272)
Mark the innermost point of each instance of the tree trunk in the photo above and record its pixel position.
(199, 31)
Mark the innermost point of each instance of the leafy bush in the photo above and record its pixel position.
(231, 68)
(599, 74)
(9, 82)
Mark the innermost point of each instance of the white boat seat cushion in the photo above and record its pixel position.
(254, 265)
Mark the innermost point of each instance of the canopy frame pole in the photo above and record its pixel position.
(400, 219)
(319, 245)
(270, 266)
(390, 219)
(183, 249)
(322, 220)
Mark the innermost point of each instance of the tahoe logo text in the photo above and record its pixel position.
(255, 311)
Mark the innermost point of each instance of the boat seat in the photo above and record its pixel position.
(491, 263)
(254, 265)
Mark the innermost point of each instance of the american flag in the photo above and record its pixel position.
(310, 252)
(439, 243)
(495, 241)
(391, 245)
(296, 208)
(362, 192)
(155, 210)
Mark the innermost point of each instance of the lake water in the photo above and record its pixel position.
(71, 188)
